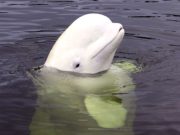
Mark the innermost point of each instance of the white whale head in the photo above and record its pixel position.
(87, 46)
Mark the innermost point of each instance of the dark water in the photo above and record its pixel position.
(28, 30)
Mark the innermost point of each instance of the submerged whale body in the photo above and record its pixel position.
(88, 45)
(71, 103)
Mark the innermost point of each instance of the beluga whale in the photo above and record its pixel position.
(88, 45)
(79, 90)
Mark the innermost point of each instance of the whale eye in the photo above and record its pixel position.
(76, 65)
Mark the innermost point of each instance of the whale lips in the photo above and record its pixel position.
(120, 28)
(107, 44)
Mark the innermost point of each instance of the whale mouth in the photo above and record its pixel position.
(121, 29)
(103, 48)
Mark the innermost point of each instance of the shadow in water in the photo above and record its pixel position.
(70, 103)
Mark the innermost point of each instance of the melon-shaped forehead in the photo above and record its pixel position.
(84, 31)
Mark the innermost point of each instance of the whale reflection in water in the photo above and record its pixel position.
(76, 104)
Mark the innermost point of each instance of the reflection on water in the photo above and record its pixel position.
(71, 104)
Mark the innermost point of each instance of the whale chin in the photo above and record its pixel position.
(88, 45)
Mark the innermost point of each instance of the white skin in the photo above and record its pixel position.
(87, 46)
